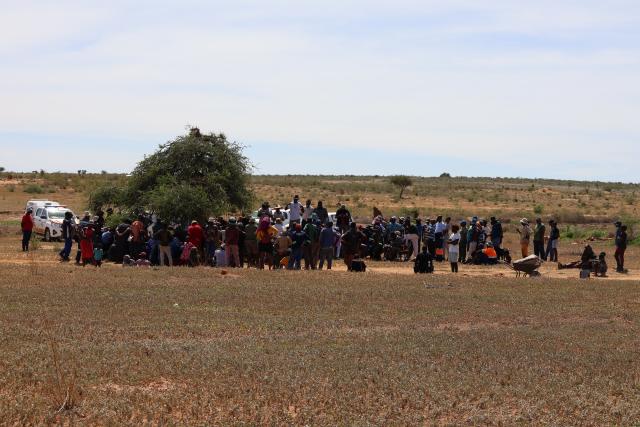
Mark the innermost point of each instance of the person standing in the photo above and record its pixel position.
(27, 228)
(496, 233)
(525, 237)
(343, 217)
(251, 241)
(351, 241)
(552, 244)
(212, 240)
(298, 239)
(462, 245)
(621, 247)
(137, 237)
(327, 244)
(411, 235)
(265, 235)
(295, 210)
(307, 212)
(164, 238)
(538, 239)
(231, 240)
(67, 236)
(431, 237)
(454, 244)
(321, 212)
(86, 244)
(310, 248)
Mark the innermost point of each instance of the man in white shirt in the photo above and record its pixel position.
(295, 210)
(307, 211)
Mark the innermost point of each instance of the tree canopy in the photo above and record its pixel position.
(192, 177)
(402, 182)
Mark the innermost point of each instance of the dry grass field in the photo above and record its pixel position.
(193, 346)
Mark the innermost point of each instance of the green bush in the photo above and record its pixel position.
(33, 189)
(538, 209)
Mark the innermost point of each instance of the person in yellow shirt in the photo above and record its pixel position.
(265, 235)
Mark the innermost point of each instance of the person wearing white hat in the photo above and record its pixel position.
(525, 237)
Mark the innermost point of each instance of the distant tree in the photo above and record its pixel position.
(445, 175)
(103, 172)
(402, 182)
(1, 169)
(191, 177)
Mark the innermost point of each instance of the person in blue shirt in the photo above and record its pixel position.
(298, 238)
(328, 238)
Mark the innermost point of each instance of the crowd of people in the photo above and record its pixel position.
(310, 240)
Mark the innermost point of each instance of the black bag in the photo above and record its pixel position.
(358, 265)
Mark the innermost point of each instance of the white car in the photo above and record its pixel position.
(35, 204)
(47, 221)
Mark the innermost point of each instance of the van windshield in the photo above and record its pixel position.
(57, 213)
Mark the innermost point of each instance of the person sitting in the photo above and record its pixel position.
(588, 256)
(602, 268)
(143, 261)
(423, 262)
(220, 256)
(489, 256)
(127, 261)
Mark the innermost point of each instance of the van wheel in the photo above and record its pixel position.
(47, 235)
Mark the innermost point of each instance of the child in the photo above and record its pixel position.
(454, 248)
(143, 261)
(97, 256)
(602, 265)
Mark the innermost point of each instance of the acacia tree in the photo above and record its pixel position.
(402, 182)
(192, 177)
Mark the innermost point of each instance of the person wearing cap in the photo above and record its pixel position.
(538, 239)
(621, 247)
(552, 244)
(27, 228)
(231, 240)
(525, 236)
(295, 210)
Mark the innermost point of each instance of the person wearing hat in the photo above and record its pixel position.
(231, 240)
(27, 228)
(538, 239)
(525, 236)
(264, 210)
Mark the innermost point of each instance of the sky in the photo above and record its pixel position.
(546, 89)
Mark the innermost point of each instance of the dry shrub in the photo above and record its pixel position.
(62, 387)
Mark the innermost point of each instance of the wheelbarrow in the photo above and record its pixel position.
(527, 266)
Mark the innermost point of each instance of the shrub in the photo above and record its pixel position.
(538, 209)
(33, 189)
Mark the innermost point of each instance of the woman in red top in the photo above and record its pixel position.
(27, 229)
(86, 245)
